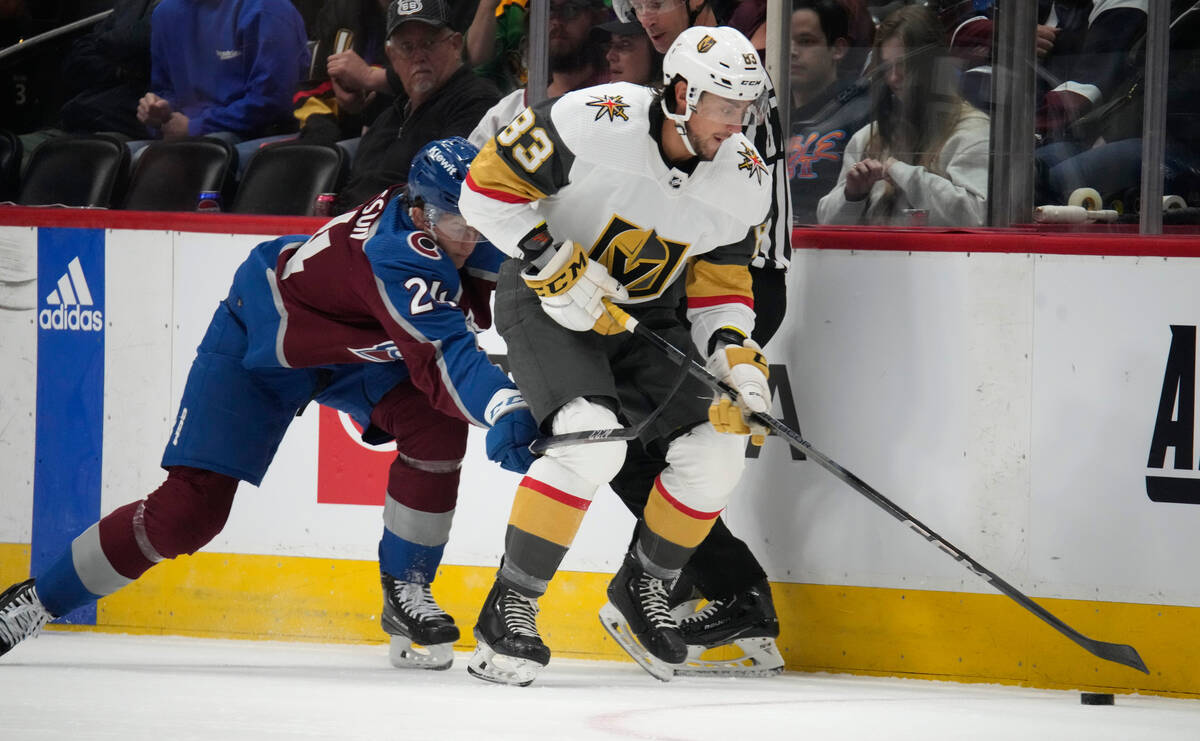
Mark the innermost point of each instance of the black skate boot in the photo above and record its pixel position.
(423, 634)
(21, 615)
(745, 620)
(638, 617)
(509, 649)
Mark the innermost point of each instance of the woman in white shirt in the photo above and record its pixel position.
(923, 159)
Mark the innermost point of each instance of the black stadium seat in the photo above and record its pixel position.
(286, 178)
(75, 171)
(170, 175)
(10, 165)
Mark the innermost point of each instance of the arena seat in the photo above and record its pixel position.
(87, 170)
(286, 179)
(10, 165)
(170, 175)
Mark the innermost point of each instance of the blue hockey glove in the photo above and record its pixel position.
(513, 429)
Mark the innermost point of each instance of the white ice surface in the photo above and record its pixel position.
(100, 686)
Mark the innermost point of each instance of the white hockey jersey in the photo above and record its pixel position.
(588, 167)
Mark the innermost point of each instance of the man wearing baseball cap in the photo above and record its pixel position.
(442, 97)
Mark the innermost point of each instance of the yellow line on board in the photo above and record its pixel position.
(962, 637)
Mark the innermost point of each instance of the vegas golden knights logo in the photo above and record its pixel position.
(638, 258)
(705, 44)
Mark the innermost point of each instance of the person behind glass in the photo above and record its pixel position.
(1105, 151)
(630, 55)
(576, 61)
(576, 58)
(924, 156)
(104, 75)
(497, 41)
(223, 67)
(827, 108)
(348, 82)
(441, 97)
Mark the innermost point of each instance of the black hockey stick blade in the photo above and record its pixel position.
(542, 444)
(1119, 653)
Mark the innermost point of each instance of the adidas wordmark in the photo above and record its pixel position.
(70, 299)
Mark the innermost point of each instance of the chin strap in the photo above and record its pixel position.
(680, 128)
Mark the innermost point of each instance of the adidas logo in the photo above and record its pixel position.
(71, 298)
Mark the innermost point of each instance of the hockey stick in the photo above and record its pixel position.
(542, 444)
(1119, 653)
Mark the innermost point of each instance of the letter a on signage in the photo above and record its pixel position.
(1174, 424)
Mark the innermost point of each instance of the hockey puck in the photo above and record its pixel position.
(1095, 698)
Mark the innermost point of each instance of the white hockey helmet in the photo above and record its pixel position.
(717, 60)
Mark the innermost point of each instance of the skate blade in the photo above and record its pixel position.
(616, 625)
(759, 657)
(490, 666)
(404, 654)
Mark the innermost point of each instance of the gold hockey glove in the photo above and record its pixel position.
(572, 289)
(744, 368)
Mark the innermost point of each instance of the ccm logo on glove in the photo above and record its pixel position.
(572, 289)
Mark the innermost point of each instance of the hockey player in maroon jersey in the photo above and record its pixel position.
(374, 315)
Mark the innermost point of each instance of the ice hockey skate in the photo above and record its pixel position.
(21, 615)
(734, 636)
(423, 634)
(509, 649)
(639, 620)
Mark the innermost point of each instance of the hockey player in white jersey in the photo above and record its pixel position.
(619, 193)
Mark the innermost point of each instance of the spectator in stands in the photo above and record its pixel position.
(104, 75)
(497, 42)
(576, 57)
(630, 55)
(1104, 151)
(223, 67)
(924, 156)
(442, 98)
(348, 83)
(576, 61)
(826, 108)
(1082, 49)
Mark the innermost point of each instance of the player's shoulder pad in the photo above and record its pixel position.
(592, 120)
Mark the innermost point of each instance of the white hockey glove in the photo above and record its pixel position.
(744, 368)
(572, 288)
